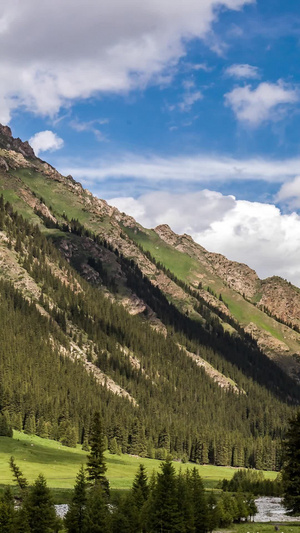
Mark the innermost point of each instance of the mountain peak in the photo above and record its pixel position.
(8, 142)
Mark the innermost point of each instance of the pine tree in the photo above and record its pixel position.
(291, 470)
(5, 428)
(76, 514)
(140, 487)
(212, 512)
(138, 497)
(113, 446)
(17, 474)
(197, 495)
(30, 425)
(96, 465)
(164, 514)
(39, 506)
(126, 517)
(7, 512)
(97, 516)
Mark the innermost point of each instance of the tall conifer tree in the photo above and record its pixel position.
(96, 465)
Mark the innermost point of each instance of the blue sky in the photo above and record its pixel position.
(184, 113)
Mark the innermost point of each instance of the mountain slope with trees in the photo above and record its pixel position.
(95, 320)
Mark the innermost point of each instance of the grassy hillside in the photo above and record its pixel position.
(60, 464)
(191, 271)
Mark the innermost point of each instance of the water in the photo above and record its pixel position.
(270, 509)
(61, 510)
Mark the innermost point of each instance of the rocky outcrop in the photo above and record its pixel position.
(8, 142)
(281, 299)
(237, 276)
(219, 378)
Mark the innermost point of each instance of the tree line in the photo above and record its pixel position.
(167, 502)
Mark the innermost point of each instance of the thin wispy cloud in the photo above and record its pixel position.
(199, 168)
(243, 71)
(189, 99)
(90, 126)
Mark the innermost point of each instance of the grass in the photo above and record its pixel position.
(11, 196)
(60, 465)
(245, 312)
(54, 193)
(181, 264)
(186, 268)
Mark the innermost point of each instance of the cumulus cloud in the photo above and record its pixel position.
(243, 71)
(290, 193)
(181, 212)
(198, 168)
(46, 141)
(268, 101)
(250, 232)
(79, 49)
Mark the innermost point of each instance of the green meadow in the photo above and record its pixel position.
(60, 465)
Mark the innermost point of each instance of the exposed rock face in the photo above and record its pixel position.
(3, 164)
(8, 142)
(276, 295)
(282, 299)
(217, 377)
(238, 276)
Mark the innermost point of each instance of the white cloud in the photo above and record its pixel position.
(290, 193)
(45, 141)
(201, 66)
(268, 101)
(181, 212)
(250, 232)
(189, 99)
(242, 71)
(201, 169)
(78, 49)
(91, 126)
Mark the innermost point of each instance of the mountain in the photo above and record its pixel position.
(181, 349)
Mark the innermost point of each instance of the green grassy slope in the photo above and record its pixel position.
(189, 269)
(60, 464)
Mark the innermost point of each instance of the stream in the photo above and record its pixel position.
(270, 509)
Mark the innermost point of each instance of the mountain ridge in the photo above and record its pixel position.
(145, 319)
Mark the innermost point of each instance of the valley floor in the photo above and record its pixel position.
(60, 465)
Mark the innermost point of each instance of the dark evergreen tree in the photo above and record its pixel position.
(164, 515)
(199, 504)
(7, 512)
(96, 466)
(39, 506)
(5, 428)
(212, 512)
(76, 514)
(140, 487)
(291, 470)
(17, 474)
(97, 517)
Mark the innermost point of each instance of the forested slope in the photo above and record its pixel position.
(94, 321)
